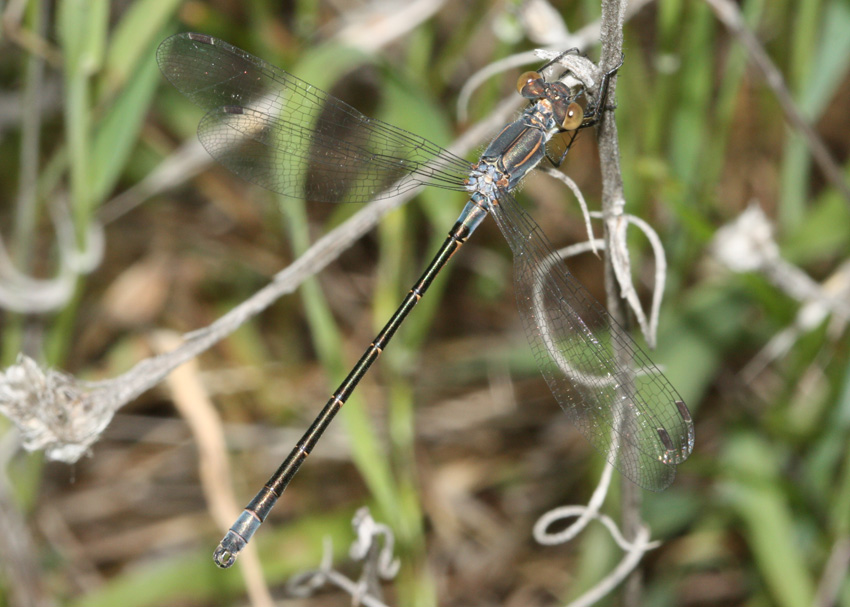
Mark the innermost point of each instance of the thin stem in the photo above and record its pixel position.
(613, 202)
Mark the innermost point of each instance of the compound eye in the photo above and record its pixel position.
(530, 85)
(573, 117)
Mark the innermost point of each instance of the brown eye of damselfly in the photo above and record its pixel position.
(573, 117)
(530, 85)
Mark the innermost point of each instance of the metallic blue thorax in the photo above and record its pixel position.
(522, 144)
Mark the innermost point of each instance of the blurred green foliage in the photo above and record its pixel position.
(758, 511)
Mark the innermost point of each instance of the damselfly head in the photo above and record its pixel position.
(568, 114)
(559, 91)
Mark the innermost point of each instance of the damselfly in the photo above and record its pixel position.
(276, 130)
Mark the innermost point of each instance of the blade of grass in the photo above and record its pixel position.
(130, 47)
(82, 26)
(118, 130)
(754, 489)
(813, 88)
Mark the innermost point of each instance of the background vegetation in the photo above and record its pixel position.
(454, 440)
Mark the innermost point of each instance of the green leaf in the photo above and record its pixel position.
(82, 28)
(753, 488)
(824, 231)
(832, 60)
(119, 130)
(140, 25)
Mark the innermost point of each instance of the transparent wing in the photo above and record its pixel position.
(276, 130)
(637, 420)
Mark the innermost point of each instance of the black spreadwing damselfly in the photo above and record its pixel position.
(283, 134)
